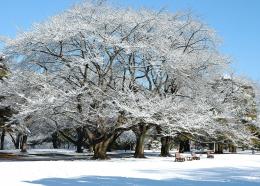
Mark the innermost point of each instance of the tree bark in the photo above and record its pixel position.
(2, 139)
(80, 139)
(140, 133)
(55, 140)
(219, 148)
(100, 149)
(139, 148)
(184, 146)
(232, 148)
(166, 145)
(17, 141)
(24, 144)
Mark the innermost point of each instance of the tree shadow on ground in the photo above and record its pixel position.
(124, 181)
(228, 176)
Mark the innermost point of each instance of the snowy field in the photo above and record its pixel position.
(227, 170)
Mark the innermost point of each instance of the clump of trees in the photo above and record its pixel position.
(5, 111)
(94, 72)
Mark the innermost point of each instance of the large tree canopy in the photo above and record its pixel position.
(102, 70)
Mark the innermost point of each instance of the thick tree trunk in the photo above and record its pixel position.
(166, 145)
(139, 148)
(100, 149)
(55, 140)
(184, 146)
(2, 140)
(80, 139)
(24, 144)
(232, 148)
(219, 148)
(140, 133)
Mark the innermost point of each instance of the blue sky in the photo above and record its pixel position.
(236, 21)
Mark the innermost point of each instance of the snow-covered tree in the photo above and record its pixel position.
(238, 97)
(100, 71)
(5, 110)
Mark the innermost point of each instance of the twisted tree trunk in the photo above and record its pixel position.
(100, 149)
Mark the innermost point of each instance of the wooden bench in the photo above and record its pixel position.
(209, 155)
(179, 158)
(194, 156)
(189, 158)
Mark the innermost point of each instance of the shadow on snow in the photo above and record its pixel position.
(202, 177)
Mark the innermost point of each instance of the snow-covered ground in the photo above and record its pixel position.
(227, 170)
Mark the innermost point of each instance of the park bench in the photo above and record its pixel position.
(179, 158)
(194, 156)
(209, 155)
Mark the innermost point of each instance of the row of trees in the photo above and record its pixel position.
(93, 72)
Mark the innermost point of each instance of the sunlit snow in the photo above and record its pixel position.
(227, 169)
